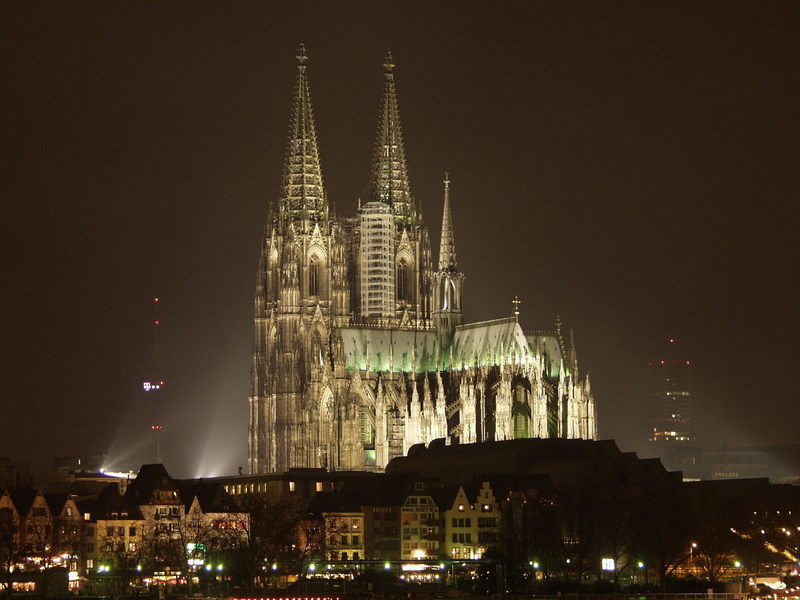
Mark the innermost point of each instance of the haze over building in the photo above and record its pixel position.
(360, 346)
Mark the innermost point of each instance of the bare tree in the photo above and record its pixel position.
(269, 544)
(126, 560)
(664, 539)
(9, 546)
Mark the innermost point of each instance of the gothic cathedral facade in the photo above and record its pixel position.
(360, 347)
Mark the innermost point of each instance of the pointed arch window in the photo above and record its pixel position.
(313, 277)
(448, 295)
(520, 413)
(273, 276)
(402, 280)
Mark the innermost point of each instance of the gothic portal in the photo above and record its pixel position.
(360, 346)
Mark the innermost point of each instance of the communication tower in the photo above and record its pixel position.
(154, 385)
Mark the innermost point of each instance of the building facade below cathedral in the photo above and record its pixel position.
(360, 346)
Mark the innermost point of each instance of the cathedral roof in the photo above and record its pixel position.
(497, 342)
(487, 343)
(399, 350)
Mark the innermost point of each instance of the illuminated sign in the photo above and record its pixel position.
(152, 386)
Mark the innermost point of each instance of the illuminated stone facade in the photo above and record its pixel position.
(360, 347)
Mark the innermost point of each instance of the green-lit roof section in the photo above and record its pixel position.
(489, 343)
(547, 346)
(397, 350)
(498, 342)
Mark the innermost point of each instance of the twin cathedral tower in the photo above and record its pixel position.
(360, 347)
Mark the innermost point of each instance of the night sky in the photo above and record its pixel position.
(631, 166)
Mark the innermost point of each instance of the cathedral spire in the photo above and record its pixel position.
(447, 246)
(390, 175)
(303, 193)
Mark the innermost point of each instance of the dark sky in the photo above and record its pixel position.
(633, 166)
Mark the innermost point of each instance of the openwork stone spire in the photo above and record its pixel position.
(390, 174)
(447, 246)
(304, 194)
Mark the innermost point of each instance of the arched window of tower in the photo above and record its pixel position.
(448, 294)
(313, 276)
(402, 280)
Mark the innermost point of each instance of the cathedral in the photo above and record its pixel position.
(361, 349)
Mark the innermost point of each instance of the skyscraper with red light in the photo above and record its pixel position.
(672, 397)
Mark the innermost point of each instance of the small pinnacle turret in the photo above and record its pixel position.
(447, 246)
(390, 174)
(303, 193)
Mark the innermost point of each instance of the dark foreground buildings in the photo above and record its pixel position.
(555, 510)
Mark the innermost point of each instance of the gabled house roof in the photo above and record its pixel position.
(151, 478)
(110, 502)
(23, 500)
(56, 502)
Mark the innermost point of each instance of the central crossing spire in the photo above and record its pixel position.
(447, 244)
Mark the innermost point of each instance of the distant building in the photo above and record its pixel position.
(780, 463)
(13, 474)
(672, 398)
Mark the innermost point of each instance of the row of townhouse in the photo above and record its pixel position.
(39, 530)
(409, 519)
(158, 521)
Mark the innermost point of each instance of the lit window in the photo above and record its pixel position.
(291, 486)
(319, 486)
(87, 516)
